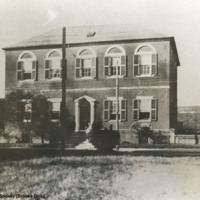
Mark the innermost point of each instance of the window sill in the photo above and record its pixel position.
(55, 120)
(26, 81)
(113, 121)
(114, 77)
(144, 76)
(85, 78)
(53, 79)
(142, 120)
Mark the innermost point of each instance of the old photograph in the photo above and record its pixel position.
(99, 100)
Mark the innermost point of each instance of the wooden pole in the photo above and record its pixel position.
(117, 99)
(63, 103)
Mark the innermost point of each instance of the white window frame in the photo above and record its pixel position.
(58, 58)
(145, 98)
(114, 55)
(55, 100)
(113, 99)
(84, 57)
(23, 60)
(141, 53)
(119, 107)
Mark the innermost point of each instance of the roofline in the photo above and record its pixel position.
(88, 43)
(174, 43)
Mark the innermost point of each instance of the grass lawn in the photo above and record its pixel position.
(103, 177)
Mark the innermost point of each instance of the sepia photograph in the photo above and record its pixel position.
(99, 100)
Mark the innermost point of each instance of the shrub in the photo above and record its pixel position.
(104, 139)
(15, 115)
(13, 133)
(54, 130)
(161, 139)
(145, 133)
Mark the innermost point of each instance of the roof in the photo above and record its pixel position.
(91, 34)
(78, 34)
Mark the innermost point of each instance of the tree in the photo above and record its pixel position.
(15, 103)
(40, 114)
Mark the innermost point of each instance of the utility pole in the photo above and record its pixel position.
(63, 103)
(117, 98)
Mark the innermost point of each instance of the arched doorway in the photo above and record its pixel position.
(84, 112)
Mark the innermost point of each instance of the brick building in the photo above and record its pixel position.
(146, 63)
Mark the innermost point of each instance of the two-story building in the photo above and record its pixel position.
(144, 61)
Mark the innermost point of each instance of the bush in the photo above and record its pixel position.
(54, 130)
(15, 115)
(161, 139)
(104, 139)
(145, 133)
(13, 133)
(26, 133)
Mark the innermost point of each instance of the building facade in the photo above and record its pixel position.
(144, 62)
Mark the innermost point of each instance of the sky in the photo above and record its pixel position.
(22, 19)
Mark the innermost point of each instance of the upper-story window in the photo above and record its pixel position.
(85, 64)
(53, 69)
(27, 66)
(145, 61)
(115, 62)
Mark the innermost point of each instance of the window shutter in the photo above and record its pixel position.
(106, 71)
(135, 109)
(123, 110)
(154, 109)
(123, 66)
(20, 70)
(37, 70)
(106, 110)
(154, 64)
(136, 65)
(78, 68)
(34, 70)
(47, 69)
(94, 67)
(107, 63)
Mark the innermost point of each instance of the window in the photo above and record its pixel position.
(110, 108)
(53, 69)
(27, 110)
(145, 109)
(115, 62)
(55, 109)
(85, 64)
(27, 67)
(145, 61)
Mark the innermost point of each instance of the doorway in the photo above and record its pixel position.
(84, 114)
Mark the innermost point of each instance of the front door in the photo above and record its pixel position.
(84, 114)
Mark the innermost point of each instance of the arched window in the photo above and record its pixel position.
(115, 62)
(27, 66)
(145, 61)
(85, 64)
(53, 65)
